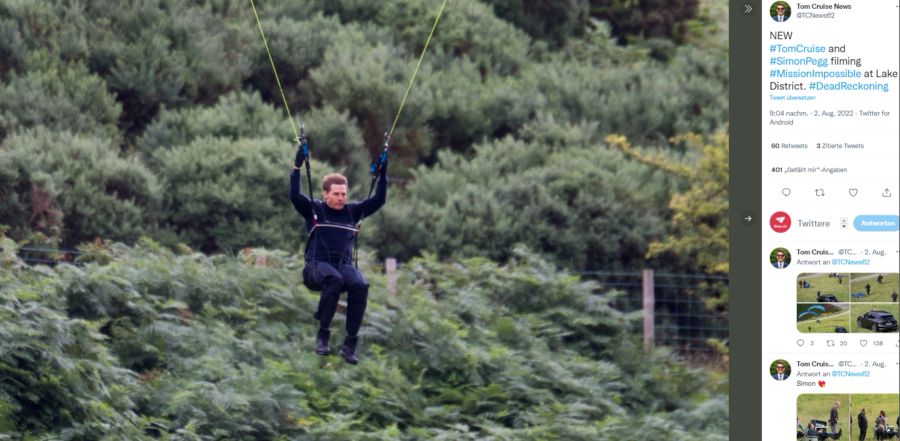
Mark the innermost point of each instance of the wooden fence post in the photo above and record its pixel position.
(649, 309)
(390, 270)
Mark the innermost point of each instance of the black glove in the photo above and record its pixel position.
(302, 154)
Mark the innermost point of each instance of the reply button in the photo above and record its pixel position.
(876, 222)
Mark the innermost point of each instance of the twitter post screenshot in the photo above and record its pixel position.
(830, 101)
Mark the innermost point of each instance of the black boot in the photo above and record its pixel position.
(322, 337)
(348, 350)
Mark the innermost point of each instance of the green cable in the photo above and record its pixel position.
(274, 71)
(416, 72)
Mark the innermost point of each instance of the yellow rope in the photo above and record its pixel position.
(277, 80)
(416, 72)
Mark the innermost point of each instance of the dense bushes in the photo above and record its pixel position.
(236, 115)
(668, 19)
(190, 347)
(63, 98)
(75, 188)
(557, 192)
(221, 194)
(164, 77)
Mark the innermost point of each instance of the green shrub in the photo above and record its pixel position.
(236, 115)
(647, 18)
(465, 350)
(297, 42)
(335, 139)
(369, 80)
(222, 195)
(551, 20)
(468, 29)
(555, 191)
(58, 375)
(74, 187)
(167, 53)
(63, 98)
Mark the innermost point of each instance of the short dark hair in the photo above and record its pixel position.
(333, 179)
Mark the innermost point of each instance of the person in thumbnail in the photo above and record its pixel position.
(863, 423)
(833, 416)
(880, 424)
(782, 12)
(782, 260)
(780, 371)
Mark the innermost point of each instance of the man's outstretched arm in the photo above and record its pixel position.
(371, 205)
(301, 203)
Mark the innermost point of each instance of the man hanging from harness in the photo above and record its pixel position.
(332, 225)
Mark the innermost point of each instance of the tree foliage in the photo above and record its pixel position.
(555, 191)
(64, 98)
(164, 74)
(647, 18)
(222, 194)
(698, 229)
(236, 115)
(699, 225)
(75, 188)
(553, 21)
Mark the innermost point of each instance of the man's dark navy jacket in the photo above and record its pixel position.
(332, 239)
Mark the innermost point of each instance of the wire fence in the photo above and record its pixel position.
(676, 308)
(37, 255)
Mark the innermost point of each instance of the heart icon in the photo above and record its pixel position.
(853, 192)
(821, 383)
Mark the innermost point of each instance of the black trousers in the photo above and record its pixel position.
(334, 280)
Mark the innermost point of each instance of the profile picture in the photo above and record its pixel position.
(780, 370)
(780, 258)
(780, 11)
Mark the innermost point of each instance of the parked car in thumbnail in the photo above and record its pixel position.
(877, 321)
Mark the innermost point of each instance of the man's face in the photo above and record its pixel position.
(779, 368)
(336, 197)
(780, 256)
(779, 9)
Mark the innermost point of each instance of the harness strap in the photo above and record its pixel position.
(327, 225)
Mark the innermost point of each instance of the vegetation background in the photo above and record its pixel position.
(542, 140)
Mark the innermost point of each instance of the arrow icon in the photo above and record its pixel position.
(748, 8)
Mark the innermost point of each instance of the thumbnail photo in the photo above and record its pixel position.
(847, 302)
(870, 287)
(831, 288)
(823, 317)
(874, 317)
(848, 416)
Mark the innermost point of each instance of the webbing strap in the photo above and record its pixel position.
(324, 225)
